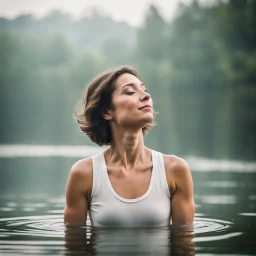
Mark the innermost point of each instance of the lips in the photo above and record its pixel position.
(146, 106)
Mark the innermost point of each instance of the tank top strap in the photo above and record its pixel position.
(98, 167)
(160, 177)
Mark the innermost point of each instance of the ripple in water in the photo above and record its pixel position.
(47, 232)
(45, 225)
(52, 226)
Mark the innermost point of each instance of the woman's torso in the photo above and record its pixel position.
(110, 207)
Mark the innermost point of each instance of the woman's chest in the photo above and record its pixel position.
(130, 185)
(147, 212)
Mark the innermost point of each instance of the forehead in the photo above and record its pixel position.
(126, 79)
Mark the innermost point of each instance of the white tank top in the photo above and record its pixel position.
(108, 209)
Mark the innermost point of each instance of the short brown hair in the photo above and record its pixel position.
(98, 98)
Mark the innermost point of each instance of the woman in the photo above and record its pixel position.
(127, 185)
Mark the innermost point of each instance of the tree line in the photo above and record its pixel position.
(199, 69)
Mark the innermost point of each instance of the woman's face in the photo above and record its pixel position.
(129, 100)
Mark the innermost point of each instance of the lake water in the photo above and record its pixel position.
(32, 187)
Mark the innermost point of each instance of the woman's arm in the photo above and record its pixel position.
(182, 200)
(78, 190)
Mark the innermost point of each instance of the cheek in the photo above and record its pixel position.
(124, 105)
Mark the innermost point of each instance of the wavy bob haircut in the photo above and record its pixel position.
(96, 99)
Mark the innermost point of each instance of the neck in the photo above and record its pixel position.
(127, 148)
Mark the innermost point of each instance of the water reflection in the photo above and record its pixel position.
(164, 241)
(219, 199)
(221, 184)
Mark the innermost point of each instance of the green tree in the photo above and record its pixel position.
(152, 37)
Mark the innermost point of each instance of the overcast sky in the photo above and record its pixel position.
(130, 11)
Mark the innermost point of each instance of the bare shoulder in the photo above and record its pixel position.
(78, 190)
(179, 175)
(176, 165)
(81, 174)
(82, 167)
(177, 170)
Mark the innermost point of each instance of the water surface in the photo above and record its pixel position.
(32, 202)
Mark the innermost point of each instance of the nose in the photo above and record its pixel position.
(145, 96)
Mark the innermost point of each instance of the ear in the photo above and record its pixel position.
(106, 115)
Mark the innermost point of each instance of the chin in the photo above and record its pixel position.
(150, 117)
(145, 121)
(142, 121)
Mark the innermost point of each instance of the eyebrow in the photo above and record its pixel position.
(131, 84)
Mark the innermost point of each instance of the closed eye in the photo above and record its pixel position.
(130, 93)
